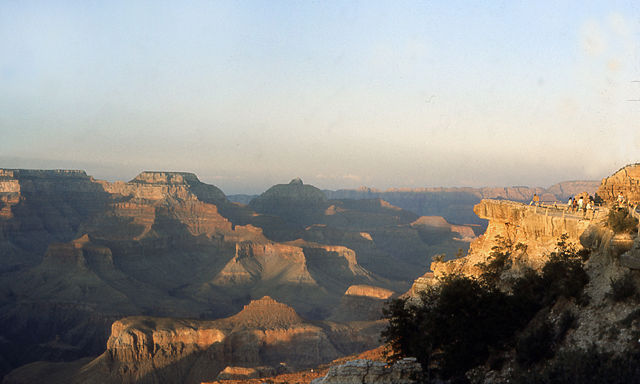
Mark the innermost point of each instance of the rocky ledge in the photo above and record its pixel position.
(405, 371)
(539, 228)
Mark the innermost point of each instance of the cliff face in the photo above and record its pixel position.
(456, 204)
(538, 228)
(625, 181)
(41, 207)
(264, 334)
(78, 253)
(403, 371)
(361, 303)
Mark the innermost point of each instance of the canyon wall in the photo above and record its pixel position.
(538, 229)
(77, 254)
(266, 334)
(625, 181)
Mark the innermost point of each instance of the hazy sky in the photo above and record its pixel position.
(247, 94)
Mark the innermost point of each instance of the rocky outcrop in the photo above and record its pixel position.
(405, 371)
(265, 313)
(38, 208)
(260, 340)
(369, 291)
(79, 253)
(538, 228)
(361, 303)
(244, 373)
(253, 261)
(625, 181)
(294, 202)
(422, 284)
(155, 185)
(435, 229)
(456, 204)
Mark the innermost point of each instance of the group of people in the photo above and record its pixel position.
(581, 204)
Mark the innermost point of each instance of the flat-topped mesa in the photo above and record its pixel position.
(265, 313)
(625, 181)
(161, 177)
(539, 228)
(159, 185)
(45, 181)
(42, 173)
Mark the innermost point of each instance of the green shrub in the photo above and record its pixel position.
(564, 274)
(536, 344)
(462, 322)
(462, 319)
(620, 221)
(567, 321)
(623, 288)
(585, 367)
(630, 318)
(499, 260)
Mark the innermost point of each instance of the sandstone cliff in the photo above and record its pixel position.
(160, 350)
(538, 228)
(404, 371)
(79, 253)
(361, 303)
(603, 321)
(625, 181)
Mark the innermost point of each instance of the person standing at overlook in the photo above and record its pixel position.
(569, 204)
(580, 203)
(536, 199)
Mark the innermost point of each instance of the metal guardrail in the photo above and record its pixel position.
(559, 209)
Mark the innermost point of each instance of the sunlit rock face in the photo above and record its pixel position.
(361, 303)
(625, 181)
(362, 371)
(538, 228)
(266, 334)
(79, 254)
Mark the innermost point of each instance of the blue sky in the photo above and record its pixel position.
(341, 93)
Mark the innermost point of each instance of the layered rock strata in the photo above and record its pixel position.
(537, 228)
(405, 371)
(626, 182)
(261, 339)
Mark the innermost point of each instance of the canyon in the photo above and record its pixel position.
(79, 254)
(183, 285)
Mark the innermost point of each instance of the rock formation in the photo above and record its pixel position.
(361, 303)
(606, 322)
(456, 204)
(404, 371)
(625, 181)
(79, 253)
(538, 228)
(294, 202)
(259, 340)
